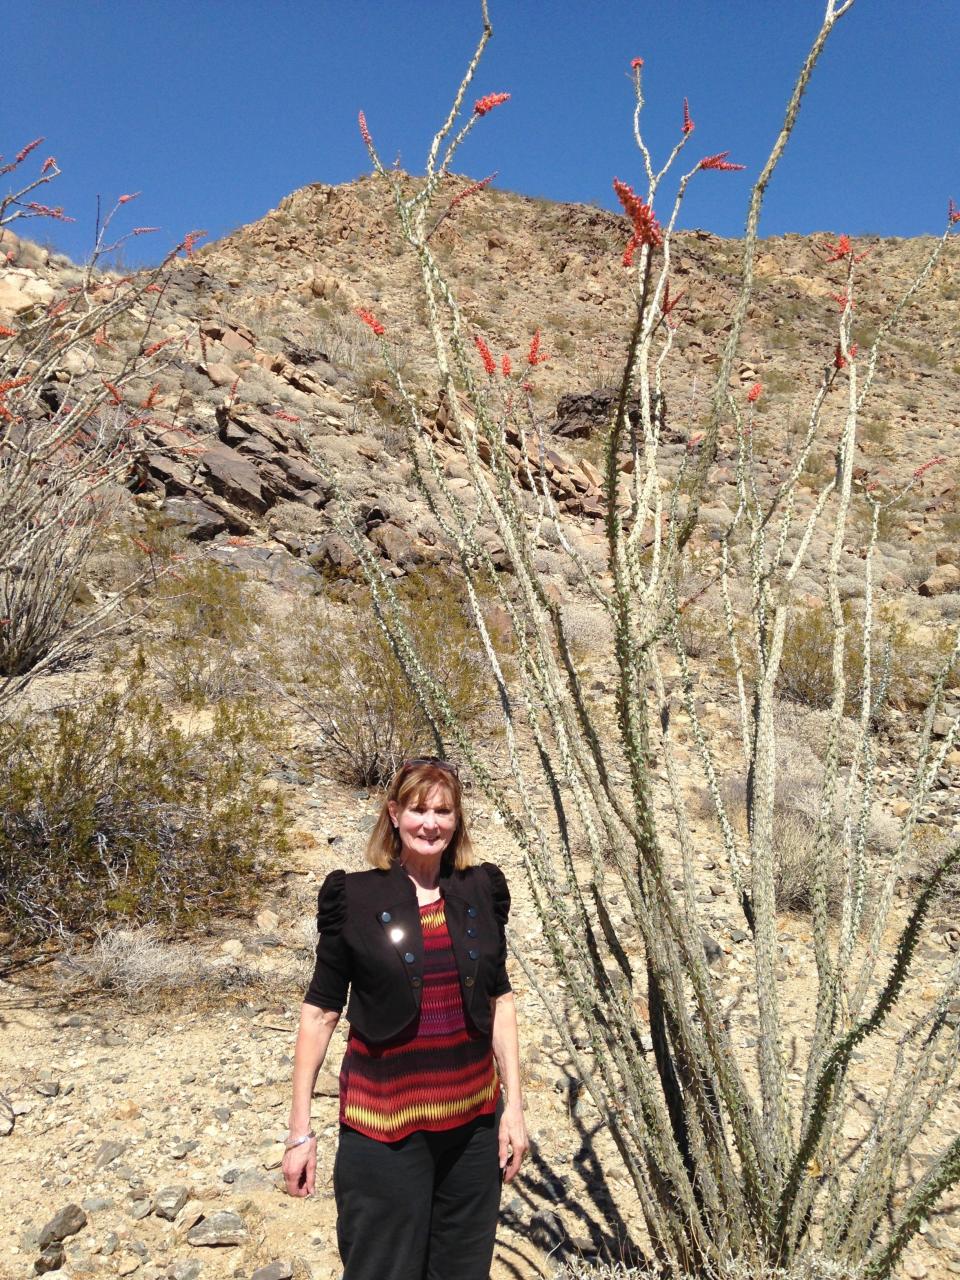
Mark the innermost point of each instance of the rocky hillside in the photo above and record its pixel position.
(142, 1137)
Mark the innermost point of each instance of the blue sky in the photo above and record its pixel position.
(216, 109)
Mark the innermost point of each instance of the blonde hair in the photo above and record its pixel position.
(411, 785)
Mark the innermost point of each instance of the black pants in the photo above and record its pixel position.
(424, 1208)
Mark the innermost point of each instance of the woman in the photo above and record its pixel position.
(428, 1125)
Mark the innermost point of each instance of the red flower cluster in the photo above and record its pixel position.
(151, 398)
(116, 395)
(485, 354)
(535, 356)
(842, 300)
(45, 211)
(126, 199)
(487, 103)
(371, 321)
(953, 213)
(667, 305)
(364, 131)
(190, 240)
(21, 155)
(472, 189)
(48, 164)
(636, 63)
(646, 229)
(157, 346)
(285, 417)
(753, 395)
(838, 357)
(506, 367)
(925, 467)
(719, 162)
(842, 249)
(688, 125)
(7, 333)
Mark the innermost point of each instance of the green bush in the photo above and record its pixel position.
(202, 619)
(339, 669)
(109, 814)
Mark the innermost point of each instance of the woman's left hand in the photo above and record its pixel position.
(513, 1141)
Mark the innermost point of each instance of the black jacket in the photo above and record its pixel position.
(371, 942)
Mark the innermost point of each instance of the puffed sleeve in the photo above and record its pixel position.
(331, 974)
(500, 896)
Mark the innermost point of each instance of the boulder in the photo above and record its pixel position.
(66, 1222)
(397, 545)
(221, 1229)
(235, 478)
(194, 518)
(944, 579)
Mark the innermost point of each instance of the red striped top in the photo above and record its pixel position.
(439, 1074)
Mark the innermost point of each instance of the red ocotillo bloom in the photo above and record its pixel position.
(719, 162)
(669, 303)
(753, 395)
(488, 102)
(45, 211)
(688, 125)
(646, 229)
(116, 395)
(485, 354)
(190, 240)
(7, 333)
(364, 131)
(925, 466)
(371, 321)
(953, 213)
(471, 190)
(636, 64)
(130, 196)
(506, 367)
(535, 356)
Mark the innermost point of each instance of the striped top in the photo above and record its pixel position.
(439, 1074)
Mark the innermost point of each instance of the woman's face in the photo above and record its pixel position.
(425, 828)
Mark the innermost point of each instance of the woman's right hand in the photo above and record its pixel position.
(300, 1169)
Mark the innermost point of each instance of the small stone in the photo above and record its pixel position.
(711, 948)
(169, 1201)
(107, 1153)
(546, 1230)
(233, 948)
(140, 1209)
(51, 1259)
(278, 1270)
(128, 1265)
(267, 921)
(48, 1088)
(189, 1215)
(66, 1222)
(95, 1204)
(110, 1242)
(183, 1269)
(127, 1110)
(222, 1228)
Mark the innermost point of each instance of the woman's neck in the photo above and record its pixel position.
(424, 872)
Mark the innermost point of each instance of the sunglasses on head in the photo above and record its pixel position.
(435, 761)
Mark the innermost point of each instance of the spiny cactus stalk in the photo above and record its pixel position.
(67, 438)
(741, 1167)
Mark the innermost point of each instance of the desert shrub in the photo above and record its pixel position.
(793, 867)
(806, 667)
(338, 667)
(108, 812)
(203, 617)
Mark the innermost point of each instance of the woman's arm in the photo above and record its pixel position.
(506, 1051)
(313, 1038)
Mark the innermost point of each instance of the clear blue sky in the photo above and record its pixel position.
(216, 109)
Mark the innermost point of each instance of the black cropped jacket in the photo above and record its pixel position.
(371, 944)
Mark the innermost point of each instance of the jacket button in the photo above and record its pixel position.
(471, 911)
(471, 932)
(468, 980)
(415, 981)
(409, 957)
(473, 954)
(386, 917)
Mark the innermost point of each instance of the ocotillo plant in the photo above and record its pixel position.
(66, 434)
(732, 1176)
